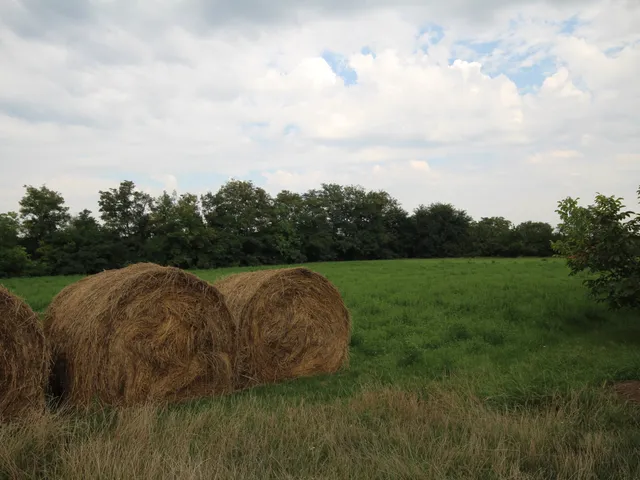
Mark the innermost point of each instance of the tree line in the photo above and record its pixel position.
(242, 225)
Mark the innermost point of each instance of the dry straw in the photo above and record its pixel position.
(24, 359)
(291, 323)
(140, 334)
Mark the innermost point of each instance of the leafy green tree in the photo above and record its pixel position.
(379, 222)
(125, 212)
(14, 259)
(83, 247)
(398, 231)
(9, 229)
(344, 207)
(534, 239)
(164, 244)
(95, 244)
(441, 230)
(603, 240)
(196, 239)
(492, 237)
(350, 223)
(315, 228)
(338, 202)
(178, 234)
(241, 216)
(287, 223)
(42, 212)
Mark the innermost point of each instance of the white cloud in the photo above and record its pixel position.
(169, 182)
(628, 158)
(284, 180)
(420, 165)
(90, 95)
(554, 156)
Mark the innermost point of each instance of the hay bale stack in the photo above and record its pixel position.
(140, 334)
(291, 323)
(24, 359)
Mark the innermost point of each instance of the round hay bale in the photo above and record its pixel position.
(24, 359)
(291, 323)
(140, 334)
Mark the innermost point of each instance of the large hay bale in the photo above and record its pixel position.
(24, 359)
(140, 334)
(291, 323)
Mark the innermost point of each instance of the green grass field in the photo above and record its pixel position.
(459, 369)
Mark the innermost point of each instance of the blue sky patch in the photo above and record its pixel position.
(528, 78)
(255, 131)
(612, 52)
(481, 48)
(436, 32)
(291, 129)
(340, 67)
(366, 50)
(569, 26)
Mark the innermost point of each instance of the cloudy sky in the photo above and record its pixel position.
(499, 107)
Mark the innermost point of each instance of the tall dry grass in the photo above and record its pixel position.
(377, 434)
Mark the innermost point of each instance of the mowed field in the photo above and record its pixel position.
(465, 368)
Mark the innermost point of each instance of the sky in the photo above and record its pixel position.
(499, 107)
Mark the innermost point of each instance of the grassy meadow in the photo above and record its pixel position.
(462, 368)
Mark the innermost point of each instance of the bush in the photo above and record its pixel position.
(603, 240)
(14, 261)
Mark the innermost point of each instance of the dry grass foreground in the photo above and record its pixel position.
(291, 323)
(24, 359)
(144, 333)
(377, 434)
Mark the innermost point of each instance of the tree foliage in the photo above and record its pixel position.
(43, 213)
(242, 224)
(603, 240)
(493, 237)
(14, 258)
(441, 230)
